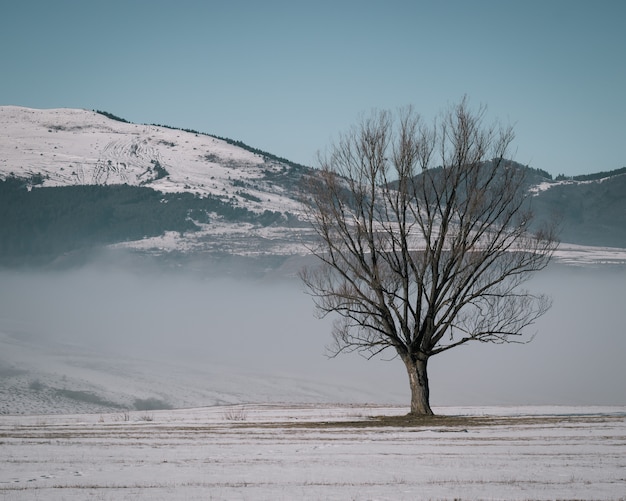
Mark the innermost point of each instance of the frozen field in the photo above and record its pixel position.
(285, 452)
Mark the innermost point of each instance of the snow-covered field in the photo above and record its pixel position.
(581, 255)
(285, 452)
(75, 356)
(43, 377)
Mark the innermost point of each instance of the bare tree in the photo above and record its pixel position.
(424, 239)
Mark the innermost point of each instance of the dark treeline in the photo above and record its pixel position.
(39, 224)
(240, 144)
(112, 116)
(592, 177)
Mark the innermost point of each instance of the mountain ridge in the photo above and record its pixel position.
(75, 180)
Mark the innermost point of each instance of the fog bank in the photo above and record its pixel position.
(268, 326)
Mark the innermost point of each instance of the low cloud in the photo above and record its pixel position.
(268, 326)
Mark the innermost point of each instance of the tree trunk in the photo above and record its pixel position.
(418, 380)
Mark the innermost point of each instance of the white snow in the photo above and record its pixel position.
(71, 146)
(285, 452)
(43, 376)
(546, 185)
(581, 255)
(241, 239)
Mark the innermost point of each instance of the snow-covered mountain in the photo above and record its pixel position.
(97, 181)
(65, 147)
(249, 197)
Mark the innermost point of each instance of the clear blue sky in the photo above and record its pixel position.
(287, 76)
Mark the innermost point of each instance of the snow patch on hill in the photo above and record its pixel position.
(77, 147)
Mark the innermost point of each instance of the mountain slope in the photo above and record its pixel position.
(591, 212)
(75, 181)
(65, 147)
(145, 187)
(40, 376)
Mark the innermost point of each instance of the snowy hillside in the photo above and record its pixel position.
(78, 147)
(104, 183)
(249, 198)
(46, 377)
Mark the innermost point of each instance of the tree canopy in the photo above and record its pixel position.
(424, 239)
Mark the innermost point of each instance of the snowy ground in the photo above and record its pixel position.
(40, 377)
(284, 452)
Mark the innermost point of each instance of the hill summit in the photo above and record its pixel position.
(76, 179)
